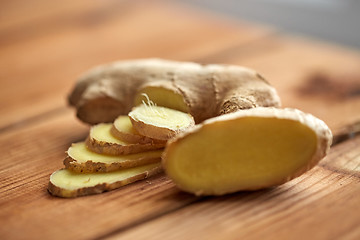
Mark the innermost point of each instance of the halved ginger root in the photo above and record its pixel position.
(65, 183)
(159, 122)
(204, 91)
(123, 129)
(246, 150)
(80, 159)
(100, 140)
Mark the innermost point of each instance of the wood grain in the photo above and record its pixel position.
(46, 45)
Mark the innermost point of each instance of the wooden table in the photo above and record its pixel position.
(46, 45)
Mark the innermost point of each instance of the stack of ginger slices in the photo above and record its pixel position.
(113, 155)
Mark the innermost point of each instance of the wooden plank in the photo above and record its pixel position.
(321, 204)
(40, 68)
(31, 153)
(315, 77)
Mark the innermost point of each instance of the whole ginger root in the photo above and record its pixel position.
(204, 91)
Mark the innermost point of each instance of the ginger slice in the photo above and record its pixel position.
(159, 122)
(82, 160)
(164, 94)
(247, 150)
(122, 129)
(65, 183)
(100, 140)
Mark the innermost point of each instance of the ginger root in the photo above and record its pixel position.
(123, 129)
(100, 140)
(204, 91)
(81, 160)
(228, 151)
(65, 183)
(159, 122)
(246, 150)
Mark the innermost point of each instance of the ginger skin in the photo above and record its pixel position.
(204, 91)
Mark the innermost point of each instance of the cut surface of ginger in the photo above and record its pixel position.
(245, 152)
(101, 140)
(81, 159)
(123, 129)
(123, 124)
(159, 122)
(101, 132)
(65, 183)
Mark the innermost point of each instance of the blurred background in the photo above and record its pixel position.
(45, 46)
(337, 21)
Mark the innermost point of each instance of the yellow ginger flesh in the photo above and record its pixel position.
(240, 154)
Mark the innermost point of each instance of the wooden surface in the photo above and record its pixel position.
(46, 45)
